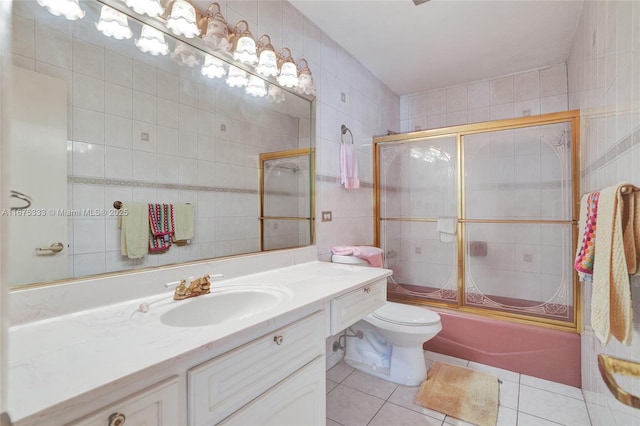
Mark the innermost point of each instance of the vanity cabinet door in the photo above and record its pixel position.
(299, 400)
(157, 405)
(349, 308)
(225, 384)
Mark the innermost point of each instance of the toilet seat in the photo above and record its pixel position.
(407, 315)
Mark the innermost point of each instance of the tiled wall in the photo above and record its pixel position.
(118, 96)
(532, 92)
(604, 83)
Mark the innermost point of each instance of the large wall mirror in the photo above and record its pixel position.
(95, 121)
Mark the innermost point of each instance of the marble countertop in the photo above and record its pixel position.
(58, 359)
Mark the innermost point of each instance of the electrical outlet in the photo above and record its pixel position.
(343, 97)
(144, 136)
(326, 216)
(528, 258)
(418, 250)
(223, 127)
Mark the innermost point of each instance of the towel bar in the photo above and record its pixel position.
(118, 204)
(608, 366)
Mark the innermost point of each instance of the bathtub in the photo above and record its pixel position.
(535, 351)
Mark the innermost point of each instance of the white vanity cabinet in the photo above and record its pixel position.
(258, 382)
(157, 405)
(349, 308)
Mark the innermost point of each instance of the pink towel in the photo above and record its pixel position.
(348, 167)
(373, 255)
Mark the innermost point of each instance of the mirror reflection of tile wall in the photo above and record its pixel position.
(143, 129)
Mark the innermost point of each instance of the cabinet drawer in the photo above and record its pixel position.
(347, 309)
(299, 400)
(221, 386)
(157, 405)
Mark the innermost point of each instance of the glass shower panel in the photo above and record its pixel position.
(418, 185)
(522, 268)
(519, 174)
(418, 179)
(423, 266)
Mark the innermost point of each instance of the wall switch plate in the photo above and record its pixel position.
(326, 216)
(144, 136)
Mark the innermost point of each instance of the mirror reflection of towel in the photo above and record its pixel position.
(184, 227)
(134, 230)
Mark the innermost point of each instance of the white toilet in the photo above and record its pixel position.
(388, 342)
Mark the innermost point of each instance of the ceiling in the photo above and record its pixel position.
(442, 43)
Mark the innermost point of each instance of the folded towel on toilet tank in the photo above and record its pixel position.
(373, 255)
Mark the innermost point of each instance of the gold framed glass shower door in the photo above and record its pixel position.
(511, 188)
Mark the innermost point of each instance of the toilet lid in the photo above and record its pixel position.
(402, 314)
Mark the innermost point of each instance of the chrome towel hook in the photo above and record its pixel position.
(344, 129)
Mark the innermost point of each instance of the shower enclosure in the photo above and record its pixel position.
(482, 217)
(286, 199)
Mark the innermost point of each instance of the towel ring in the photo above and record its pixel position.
(344, 129)
(23, 197)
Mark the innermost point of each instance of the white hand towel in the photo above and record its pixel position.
(134, 230)
(348, 167)
(184, 227)
(447, 226)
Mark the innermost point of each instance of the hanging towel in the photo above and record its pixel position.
(134, 230)
(348, 167)
(184, 223)
(611, 309)
(446, 226)
(161, 226)
(587, 230)
(373, 255)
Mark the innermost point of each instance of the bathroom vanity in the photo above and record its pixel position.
(119, 365)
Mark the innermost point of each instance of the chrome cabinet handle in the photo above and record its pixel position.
(54, 248)
(367, 290)
(278, 339)
(117, 419)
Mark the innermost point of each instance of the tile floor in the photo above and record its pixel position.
(355, 398)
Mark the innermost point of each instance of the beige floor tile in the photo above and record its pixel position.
(552, 406)
(405, 396)
(391, 414)
(369, 384)
(351, 407)
(339, 372)
(550, 386)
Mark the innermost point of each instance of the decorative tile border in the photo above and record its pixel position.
(142, 184)
(334, 179)
(626, 144)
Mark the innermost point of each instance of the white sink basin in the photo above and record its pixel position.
(224, 304)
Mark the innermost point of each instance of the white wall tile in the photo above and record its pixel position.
(88, 92)
(88, 59)
(53, 47)
(118, 164)
(88, 126)
(553, 81)
(456, 98)
(118, 69)
(117, 131)
(145, 78)
(527, 86)
(118, 100)
(478, 94)
(501, 90)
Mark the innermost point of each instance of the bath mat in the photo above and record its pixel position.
(462, 393)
